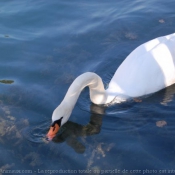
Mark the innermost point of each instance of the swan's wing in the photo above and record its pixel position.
(149, 68)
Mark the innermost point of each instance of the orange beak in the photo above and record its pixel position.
(52, 131)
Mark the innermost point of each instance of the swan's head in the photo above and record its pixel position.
(59, 117)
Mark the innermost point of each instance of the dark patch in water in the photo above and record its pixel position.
(6, 81)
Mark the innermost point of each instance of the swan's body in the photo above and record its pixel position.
(148, 69)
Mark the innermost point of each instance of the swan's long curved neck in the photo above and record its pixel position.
(98, 94)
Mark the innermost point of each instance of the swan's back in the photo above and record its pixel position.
(149, 68)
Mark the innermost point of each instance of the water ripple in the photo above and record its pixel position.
(36, 134)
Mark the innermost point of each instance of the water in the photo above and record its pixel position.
(44, 46)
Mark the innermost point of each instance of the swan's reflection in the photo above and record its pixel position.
(164, 96)
(71, 131)
(168, 95)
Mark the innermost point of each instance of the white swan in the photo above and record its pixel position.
(147, 69)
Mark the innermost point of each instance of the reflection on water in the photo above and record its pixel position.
(72, 131)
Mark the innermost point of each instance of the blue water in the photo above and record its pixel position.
(44, 46)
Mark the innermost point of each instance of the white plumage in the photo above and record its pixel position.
(147, 69)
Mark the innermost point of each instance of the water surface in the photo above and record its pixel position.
(44, 46)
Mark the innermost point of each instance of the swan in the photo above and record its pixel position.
(147, 69)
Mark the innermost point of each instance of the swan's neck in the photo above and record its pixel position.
(98, 94)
